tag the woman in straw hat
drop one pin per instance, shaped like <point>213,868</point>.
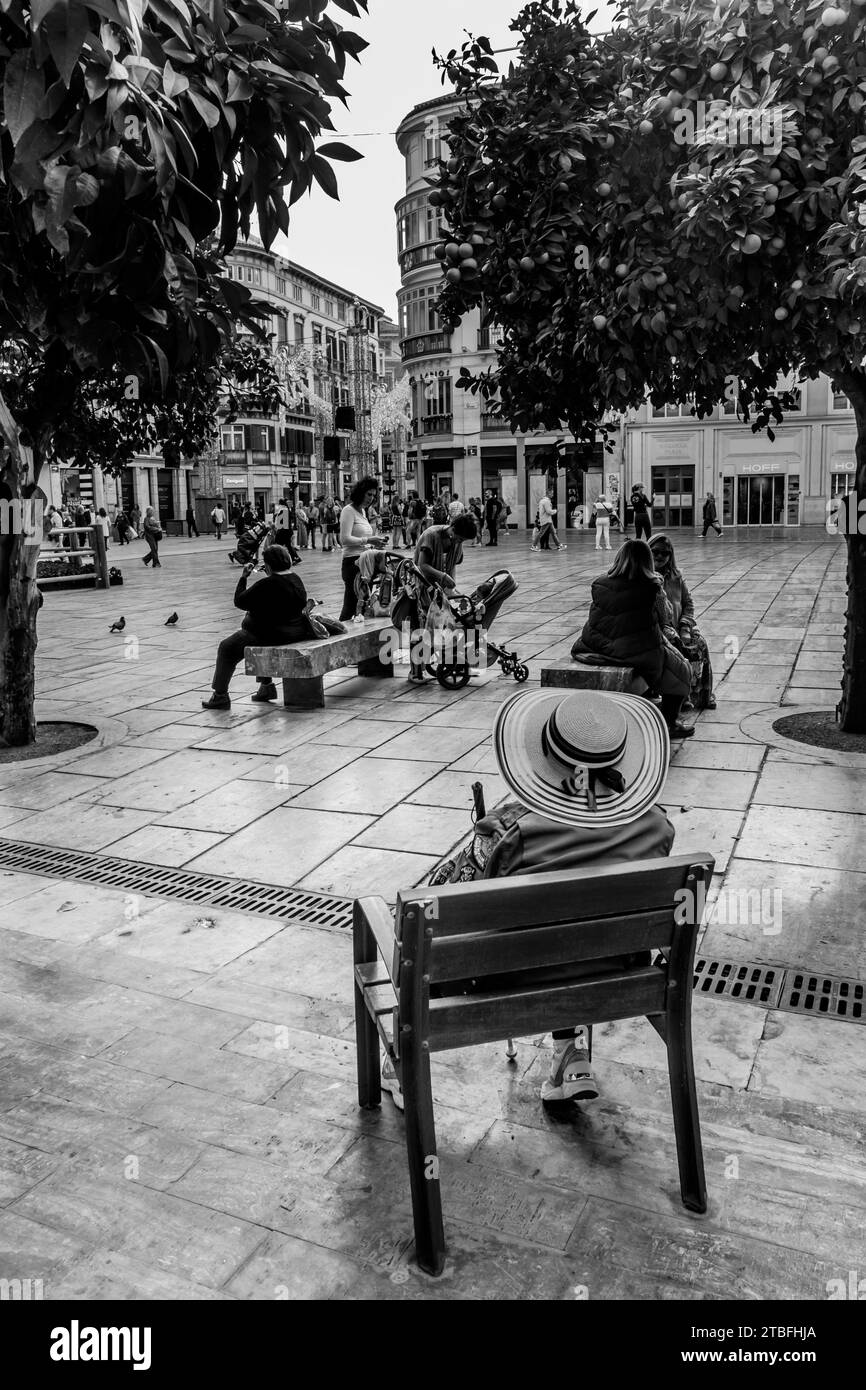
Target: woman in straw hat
<point>586,769</point>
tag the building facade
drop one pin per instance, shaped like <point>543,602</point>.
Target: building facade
<point>458,443</point>
<point>757,483</point>
<point>327,338</point>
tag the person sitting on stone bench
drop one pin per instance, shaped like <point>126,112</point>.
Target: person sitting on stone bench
<point>683,631</point>
<point>274,609</point>
<point>586,768</point>
<point>626,622</point>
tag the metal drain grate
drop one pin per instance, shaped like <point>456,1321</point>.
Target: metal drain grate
<point>829,995</point>
<point>731,979</point>
<point>268,900</point>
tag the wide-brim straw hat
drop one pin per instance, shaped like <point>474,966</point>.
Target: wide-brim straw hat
<point>556,750</point>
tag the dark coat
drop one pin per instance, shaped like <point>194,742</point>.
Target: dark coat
<point>680,600</point>
<point>625,625</point>
<point>709,510</point>
<point>274,608</point>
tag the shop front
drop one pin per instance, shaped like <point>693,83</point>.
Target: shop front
<point>236,492</point>
<point>761,494</point>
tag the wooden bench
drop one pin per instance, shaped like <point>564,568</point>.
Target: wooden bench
<point>584,928</point>
<point>580,675</point>
<point>302,666</point>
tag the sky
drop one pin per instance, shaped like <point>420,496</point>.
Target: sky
<point>354,242</point>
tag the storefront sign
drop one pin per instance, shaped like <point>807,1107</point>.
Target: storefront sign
<point>234,482</point>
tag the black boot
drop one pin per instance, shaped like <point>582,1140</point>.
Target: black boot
<point>217,702</point>
<point>671,706</point>
<point>266,691</point>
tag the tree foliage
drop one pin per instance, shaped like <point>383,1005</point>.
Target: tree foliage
<point>621,258</point>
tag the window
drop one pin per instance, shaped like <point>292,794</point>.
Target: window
<point>296,292</point>
<point>341,311</point>
<point>329,308</point>
<point>317,335</point>
<point>260,438</point>
<point>840,483</point>
<point>299,331</point>
<point>281,284</point>
<point>436,396</point>
<point>331,348</point>
<point>282,325</point>
<point>342,353</point>
<point>232,438</point>
<point>316,301</point>
<point>417,312</point>
<point>673,412</point>
<point>841,402</point>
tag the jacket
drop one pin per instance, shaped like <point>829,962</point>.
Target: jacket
<point>681,602</point>
<point>532,844</point>
<point>625,625</point>
<point>274,608</point>
<point>709,510</point>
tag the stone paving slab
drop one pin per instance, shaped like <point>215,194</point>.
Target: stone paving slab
<point>216,1048</point>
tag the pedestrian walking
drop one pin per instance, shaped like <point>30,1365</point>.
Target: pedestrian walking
<point>313,523</point>
<point>121,525</point>
<point>153,535</point>
<point>710,516</point>
<point>190,524</point>
<point>642,506</point>
<point>455,507</point>
<point>492,511</point>
<point>329,526</point>
<point>546,526</point>
<point>218,517</point>
<point>603,514</point>
<point>104,526</point>
<point>301,523</point>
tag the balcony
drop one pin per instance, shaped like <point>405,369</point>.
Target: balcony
<point>488,338</point>
<point>436,424</point>
<point>425,345</point>
<point>231,457</point>
<point>261,458</point>
<point>417,256</point>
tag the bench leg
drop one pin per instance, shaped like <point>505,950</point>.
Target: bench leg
<point>423,1161</point>
<point>366,1032</point>
<point>684,1100</point>
<point>375,669</point>
<point>308,693</point>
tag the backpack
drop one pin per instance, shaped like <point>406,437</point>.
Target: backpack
<point>494,845</point>
<point>440,514</point>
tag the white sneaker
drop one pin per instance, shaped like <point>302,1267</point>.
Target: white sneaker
<point>391,1083</point>
<point>563,547</point>
<point>533,547</point>
<point>570,1075</point>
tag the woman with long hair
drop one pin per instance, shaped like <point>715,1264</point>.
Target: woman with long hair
<point>356,536</point>
<point>682,630</point>
<point>627,618</point>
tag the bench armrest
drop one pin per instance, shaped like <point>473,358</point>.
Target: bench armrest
<point>374,918</point>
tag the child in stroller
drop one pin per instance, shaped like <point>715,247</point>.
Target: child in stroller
<point>247,549</point>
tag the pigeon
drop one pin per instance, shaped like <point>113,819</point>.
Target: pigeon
<point>118,626</point>
<point>170,622</point>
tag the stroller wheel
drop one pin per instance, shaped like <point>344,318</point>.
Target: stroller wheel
<point>452,677</point>
<point>507,665</point>
<point>521,674</point>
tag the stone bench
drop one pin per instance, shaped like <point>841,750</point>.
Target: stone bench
<point>581,675</point>
<point>302,666</point>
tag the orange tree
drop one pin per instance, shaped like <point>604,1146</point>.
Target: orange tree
<point>138,139</point>
<point>631,238</point>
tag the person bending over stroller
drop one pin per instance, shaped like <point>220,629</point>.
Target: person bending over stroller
<point>438,553</point>
<point>542,740</point>
<point>274,610</point>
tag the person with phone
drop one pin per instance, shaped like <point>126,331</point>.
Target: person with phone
<point>274,615</point>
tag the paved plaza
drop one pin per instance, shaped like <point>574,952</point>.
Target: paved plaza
<point>178,1116</point>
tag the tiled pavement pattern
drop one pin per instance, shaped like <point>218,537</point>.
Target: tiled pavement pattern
<point>177,1110</point>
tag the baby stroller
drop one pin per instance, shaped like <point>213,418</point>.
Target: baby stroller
<point>470,613</point>
<point>247,549</point>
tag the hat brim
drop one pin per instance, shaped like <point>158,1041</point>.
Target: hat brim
<point>536,778</point>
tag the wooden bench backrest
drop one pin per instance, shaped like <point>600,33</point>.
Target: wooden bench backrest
<point>496,926</point>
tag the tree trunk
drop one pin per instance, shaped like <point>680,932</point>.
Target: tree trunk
<point>20,599</point>
<point>852,706</point>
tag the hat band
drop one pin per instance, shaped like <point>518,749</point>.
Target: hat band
<point>569,753</point>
